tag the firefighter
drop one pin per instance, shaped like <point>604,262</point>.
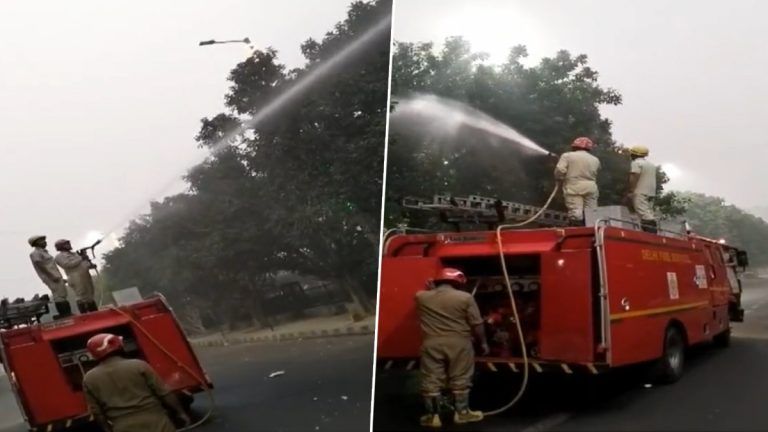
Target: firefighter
<point>449,319</point>
<point>125,395</point>
<point>78,275</point>
<point>577,171</point>
<point>50,275</point>
<point>642,188</point>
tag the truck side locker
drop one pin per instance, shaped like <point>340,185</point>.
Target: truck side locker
<point>567,331</point>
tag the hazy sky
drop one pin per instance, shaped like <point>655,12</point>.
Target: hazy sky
<point>100,102</point>
<point>692,73</point>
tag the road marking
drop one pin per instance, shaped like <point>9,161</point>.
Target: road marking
<point>548,423</point>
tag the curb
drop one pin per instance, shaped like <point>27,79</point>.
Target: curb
<point>352,330</point>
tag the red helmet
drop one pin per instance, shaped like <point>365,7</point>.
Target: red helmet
<point>104,344</point>
<point>451,275</point>
<point>582,143</point>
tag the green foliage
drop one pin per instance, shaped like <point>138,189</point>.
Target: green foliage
<point>301,192</point>
<point>714,218</point>
<point>552,103</point>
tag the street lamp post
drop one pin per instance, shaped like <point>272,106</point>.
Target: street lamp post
<point>215,42</point>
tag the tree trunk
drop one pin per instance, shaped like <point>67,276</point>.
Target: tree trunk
<point>358,296</point>
<point>192,320</point>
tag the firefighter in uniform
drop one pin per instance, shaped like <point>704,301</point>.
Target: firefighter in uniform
<point>577,171</point>
<point>449,319</point>
<point>78,275</point>
<point>46,269</point>
<point>125,395</point>
<point>642,188</point>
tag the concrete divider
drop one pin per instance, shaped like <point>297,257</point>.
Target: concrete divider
<point>346,330</point>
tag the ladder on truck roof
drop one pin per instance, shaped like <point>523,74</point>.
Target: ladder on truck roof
<point>476,209</point>
<point>21,312</point>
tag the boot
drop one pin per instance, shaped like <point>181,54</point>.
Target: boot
<point>649,226</point>
<point>63,309</point>
<point>575,222</point>
<point>82,307</point>
<point>91,306</point>
<point>463,414</point>
<point>431,418</point>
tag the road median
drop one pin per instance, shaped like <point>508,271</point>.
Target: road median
<point>294,332</point>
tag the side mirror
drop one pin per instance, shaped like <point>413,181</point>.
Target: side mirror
<point>742,259</point>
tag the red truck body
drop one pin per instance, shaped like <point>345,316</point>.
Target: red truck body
<point>588,298</point>
<point>45,363</point>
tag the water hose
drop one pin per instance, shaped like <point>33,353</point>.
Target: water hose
<point>186,369</point>
<point>518,326</point>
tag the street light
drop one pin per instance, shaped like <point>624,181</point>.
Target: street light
<point>215,42</point>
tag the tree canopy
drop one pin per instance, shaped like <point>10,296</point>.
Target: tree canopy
<point>551,103</point>
<point>714,218</point>
<point>299,191</point>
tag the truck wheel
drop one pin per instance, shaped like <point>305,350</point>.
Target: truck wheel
<point>722,340</point>
<point>669,368</point>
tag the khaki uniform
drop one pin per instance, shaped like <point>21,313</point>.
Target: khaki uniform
<point>44,265</point>
<point>577,170</point>
<point>447,356</point>
<point>645,189</point>
<point>78,275</point>
<point>127,394</point>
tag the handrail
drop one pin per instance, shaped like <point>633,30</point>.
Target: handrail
<point>605,336</point>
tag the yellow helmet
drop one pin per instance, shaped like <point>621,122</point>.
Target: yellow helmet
<point>639,151</point>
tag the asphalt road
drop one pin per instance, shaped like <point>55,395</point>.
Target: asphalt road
<point>326,386</point>
<point>722,390</point>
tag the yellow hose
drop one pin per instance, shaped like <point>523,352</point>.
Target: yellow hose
<point>186,368</point>
<point>519,327</point>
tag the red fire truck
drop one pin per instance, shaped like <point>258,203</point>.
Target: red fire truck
<point>588,299</point>
<point>45,362</point>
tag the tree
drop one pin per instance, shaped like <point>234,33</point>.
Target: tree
<point>552,103</point>
<point>298,191</point>
<point>713,217</point>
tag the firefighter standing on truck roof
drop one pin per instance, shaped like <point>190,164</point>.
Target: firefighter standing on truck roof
<point>78,275</point>
<point>577,171</point>
<point>46,269</point>
<point>642,188</point>
<point>449,318</point>
<point>125,395</point>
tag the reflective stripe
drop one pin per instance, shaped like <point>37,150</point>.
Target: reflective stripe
<point>657,311</point>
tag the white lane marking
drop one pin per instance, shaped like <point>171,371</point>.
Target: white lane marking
<point>548,423</point>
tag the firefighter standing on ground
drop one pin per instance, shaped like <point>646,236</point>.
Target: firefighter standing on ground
<point>449,318</point>
<point>46,269</point>
<point>125,395</point>
<point>78,275</point>
<point>642,188</point>
<point>577,171</point>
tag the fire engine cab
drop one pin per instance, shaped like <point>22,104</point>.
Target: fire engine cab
<point>45,361</point>
<point>588,298</point>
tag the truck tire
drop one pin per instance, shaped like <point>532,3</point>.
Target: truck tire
<point>669,368</point>
<point>722,340</point>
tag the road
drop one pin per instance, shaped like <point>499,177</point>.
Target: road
<point>326,386</point>
<point>723,389</point>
